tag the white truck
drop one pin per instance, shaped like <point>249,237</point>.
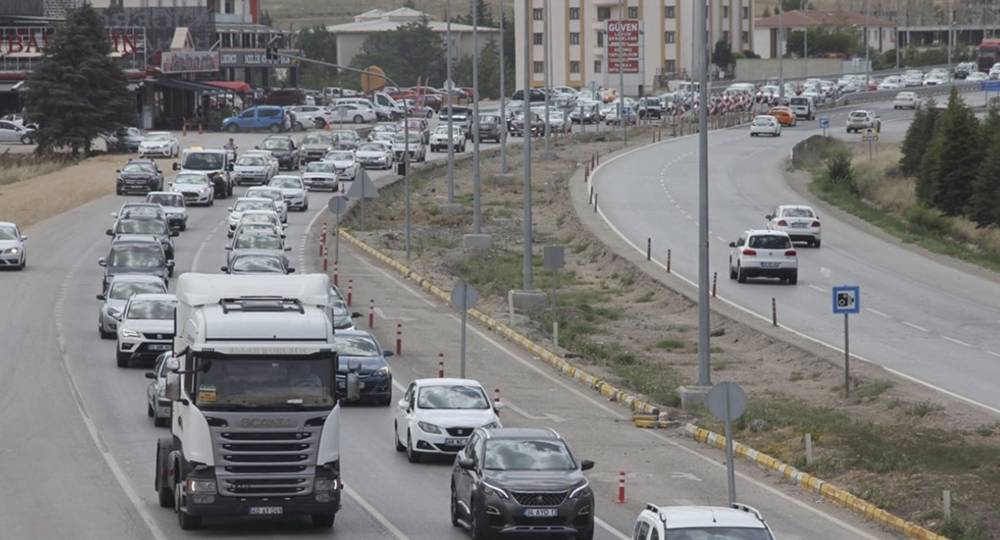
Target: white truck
<point>255,427</point>
<point>217,163</point>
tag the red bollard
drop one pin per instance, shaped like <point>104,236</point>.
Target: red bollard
<point>350,291</point>
<point>371,313</point>
<point>440,365</point>
<point>715,279</point>
<point>325,258</point>
<point>322,237</point>
<point>496,398</point>
<point>336,274</point>
<point>621,487</point>
<point>399,339</point>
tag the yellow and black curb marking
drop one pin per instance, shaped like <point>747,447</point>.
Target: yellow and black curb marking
<point>606,389</point>
<point>811,483</point>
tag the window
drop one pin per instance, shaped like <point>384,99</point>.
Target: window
<point>670,37</point>
<point>574,66</point>
<point>641,529</point>
<point>633,12</point>
<point>538,14</point>
<point>600,38</point>
<point>669,12</point>
<point>745,38</point>
<point>603,13</point>
<point>669,66</point>
<point>574,13</point>
<point>597,66</point>
<point>574,38</point>
<point>725,12</point>
<point>654,534</point>
<point>538,67</point>
<point>230,6</point>
<point>537,38</point>
<point>746,12</point>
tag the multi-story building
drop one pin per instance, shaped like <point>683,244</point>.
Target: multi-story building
<point>577,30</point>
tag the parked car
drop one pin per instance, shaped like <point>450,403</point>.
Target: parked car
<point>353,113</point>
<point>11,132</point>
<point>158,406</point>
<point>285,96</point>
<point>362,357</point>
<point>763,253</point>
<point>195,187</point>
<point>259,118</point>
<point>120,289</point>
<point>284,149</point>
<point>324,174</point>
<point>438,416</point>
<point>375,155</point>
<point>139,176</point>
<point>800,223</point>
<point>994,72</point>
<point>13,251</point>
<point>701,522</point>
<point>173,206</point>
<point>765,124</point>
<point>146,329</point>
<point>310,116</point>
<point>159,143</point>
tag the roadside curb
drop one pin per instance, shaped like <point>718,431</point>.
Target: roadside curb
<point>567,368</point>
<point>814,484</point>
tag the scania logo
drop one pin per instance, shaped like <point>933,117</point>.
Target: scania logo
<point>266,422</point>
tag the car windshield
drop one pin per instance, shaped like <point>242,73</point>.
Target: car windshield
<point>762,121</point>
<point>141,210</point>
<point>265,193</point>
<point>338,156</point>
<point>157,136</point>
<point>124,290</point>
<point>359,346</point>
<point>191,179</point>
<point>797,212</point>
<point>251,161</point>
<point>151,309</point>
<point>243,206</point>
<point>275,144</point>
<point>165,199</point>
<point>138,168</point>
<point>266,383</point>
<point>286,182</point>
<point>134,256</point>
<point>316,138</point>
<point>858,114</point>
<point>717,533</point>
<point>8,232</point>
<point>400,138</point>
<point>257,263</point>
<point>267,219</point>
<point>527,455</point>
<point>770,241</point>
<point>371,148</point>
<point>452,397</point>
<point>141,226</point>
<point>204,162</point>
<point>258,241</point>
<point>345,135</point>
<point>341,316</point>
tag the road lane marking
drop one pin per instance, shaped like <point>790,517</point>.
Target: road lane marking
<point>877,312</point>
<point>915,327</point>
<point>204,243</point>
<point>373,512</point>
<point>956,341</point>
<point>993,353</point>
<point>815,288</point>
<point>611,530</point>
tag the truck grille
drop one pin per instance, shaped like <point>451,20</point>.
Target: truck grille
<point>526,498</point>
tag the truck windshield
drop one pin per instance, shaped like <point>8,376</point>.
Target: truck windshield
<point>203,162</point>
<point>265,383</point>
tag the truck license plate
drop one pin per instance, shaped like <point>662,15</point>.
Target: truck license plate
<point>266,510</point>
<point>540,512</point>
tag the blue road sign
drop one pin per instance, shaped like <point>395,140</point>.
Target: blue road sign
<point>846,299</point>
<point>824,122</point>
<point>989,86</point>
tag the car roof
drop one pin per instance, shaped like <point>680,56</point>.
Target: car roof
<point>523,433</point>
<point>805,206</point>
<point>683,517</point>
<point>451,381</point>
<point>134,239</point>
<point>153,296</point>
<point>171,193</point>
<point>253,199</point>
<point>6,223</point>
<point>759,232</point>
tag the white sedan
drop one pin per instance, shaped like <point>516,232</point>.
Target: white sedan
<point>375,155</point>
<point>437,416</point>
<point>159,143</point>
<point>765,124</point>
<point>800,223</point>
<point>352,112</point>
<point>906,100</point>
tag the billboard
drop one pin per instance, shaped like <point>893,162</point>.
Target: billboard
<point>189,61</point>
<point>23,46</point>
<point>623,45</point>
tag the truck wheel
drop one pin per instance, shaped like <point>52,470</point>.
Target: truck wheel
<point>163,491</point>
<point>323,521</point>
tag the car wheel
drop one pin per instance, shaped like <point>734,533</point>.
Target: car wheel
<point>587,534</point>
<point>26,139</point>
<point>122,359</point>
<point>411,455</point>
<point>741,275</point>
<point>149,411</point>
<point>794,278</point>
<point>479,532</point>
<point>186,521</point>
<point>358,119</point>
<point>299,127</point>
<point>320,123</point>
<point>816,243</point>
<point>275,128</point>
<point>454,509</point>
<point>732,271</point>
<point>395,436</point>
<point>161,422</point>
<point>323,521</point>
<point>184,226</point>
<point>118,191</point>
<point>232,128</point>
<point>104,334</point>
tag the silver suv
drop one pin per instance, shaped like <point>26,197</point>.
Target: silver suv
<point>860,120</point>
<point>122,288</point>
<point>146,329</point>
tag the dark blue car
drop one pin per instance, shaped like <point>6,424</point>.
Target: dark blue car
<point>363,374</point>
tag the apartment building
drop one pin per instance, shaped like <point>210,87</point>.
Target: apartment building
<point>579,47</point>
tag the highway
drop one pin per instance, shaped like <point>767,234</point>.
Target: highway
<point>926,320</point>
<point>78,450</point>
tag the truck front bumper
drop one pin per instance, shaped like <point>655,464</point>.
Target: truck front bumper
<point>271,507</point>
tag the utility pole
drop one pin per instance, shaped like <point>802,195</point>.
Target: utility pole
<point>805,44</point>
<point>621,76</point>
<point>868,63</point>
<point>546,48</point>
<point>896,35</point>
<point>528,278</point>
<point>781,53</point>
<point>701,57</point>
<point>477,213</point>
<point>450,89</point>
<point>503,98</point>
<point>951,25</point>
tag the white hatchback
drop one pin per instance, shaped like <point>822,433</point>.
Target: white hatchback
<point>800,223</point>
<point>763,253</point>
<point>437,416</point>
<point>765,124</point>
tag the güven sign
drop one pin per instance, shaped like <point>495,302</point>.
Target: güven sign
<point>623,31</point>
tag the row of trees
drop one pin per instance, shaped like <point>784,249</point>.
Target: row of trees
<point>956,160</point>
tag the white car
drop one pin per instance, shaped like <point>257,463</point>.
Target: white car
<point>978,76</point>
<point>418,152</point>
<point>345,163</point>
<point>701,523</point>
<point>936,78</point>
<point>266,218</point>
<point>763,253</point>
<point>310,116</point>
<point>159,143</point>
<point>892,82</point>
<point>196,188</point>
<point>273,194</point>
<point>765,124</point>
<point>158,407</point>
<point>375,155</point>
<point>439,139</point>
<point>245,204</point>
<point>800,223</point>
<point>861,120</point>
<point>272,161</point>
<point>13,252</point>
<point>293,190</point>
<point>146,327</point>
<point>558,122</point>
<point>994,73</point>
<point>906,100</point>
<point>352,112</point>
<point>173,206</point>
<point>323,174</point>
<point>437,416</point>
<point>913,77</point>
<point>252,169</point>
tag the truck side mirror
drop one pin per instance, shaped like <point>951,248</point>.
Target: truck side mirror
<point>175,166</point>
<point>172,389</point>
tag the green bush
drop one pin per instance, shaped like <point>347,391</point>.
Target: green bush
<point>922,219</point>
<point>840,172</point>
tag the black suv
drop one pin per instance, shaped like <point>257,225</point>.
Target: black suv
<point>139,176</point>
<point>284,149</point>
<point>517,480</point>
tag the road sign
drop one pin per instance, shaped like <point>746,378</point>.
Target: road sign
<point>553,257</point>
<point>337,205</point>
<point>623,30</point>
<point>989,86</point>
<point>869,135</point>
<point>846,299</point>
<point>463,297</point>
<point>626,52</point>
<point>631,66</point>
<point>623,45</point>
<point>824,122</point>
<point>363,187</point>
<point>727,401</point>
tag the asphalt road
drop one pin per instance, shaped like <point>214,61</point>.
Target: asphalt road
<point>77,452</point>
<point>926,320</point>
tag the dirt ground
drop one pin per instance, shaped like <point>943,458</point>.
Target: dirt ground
<point>892,443</point>
<point>32,200</point>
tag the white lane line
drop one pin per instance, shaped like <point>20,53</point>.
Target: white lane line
<point>992,353</point>
<point>956,341</point>
<point>613,531</point>
<point>915,327</point>
<point>815,288</point>
<point>877,312</point>
<point>373,512</point>
<point>204,244</point>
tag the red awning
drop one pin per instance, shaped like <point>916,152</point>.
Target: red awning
<point>236,86</point>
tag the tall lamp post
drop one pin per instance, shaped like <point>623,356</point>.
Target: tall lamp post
<point>526,269</point>
<point>503,98</point>
<point>701,59</point>
<point>451,92</point>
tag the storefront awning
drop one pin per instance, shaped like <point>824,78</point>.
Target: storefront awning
<point>181,84</point>
<point>233,86</point>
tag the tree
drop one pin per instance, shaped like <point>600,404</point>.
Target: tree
<point>722,54</point>
<point>77,92</point>
<point>484,15</point>
<point>918,135</point>
<point>984,205</point>
<point>411,51</point>
<point>318,43</point>
<point>947,184</point>
<point>489,71</point>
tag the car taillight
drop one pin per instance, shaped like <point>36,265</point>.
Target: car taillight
<point>782,223</point>
<point>750,252</point>
<point>790,253</point>
<point>815,224</point>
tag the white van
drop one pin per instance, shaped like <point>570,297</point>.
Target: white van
<point>803,107</point>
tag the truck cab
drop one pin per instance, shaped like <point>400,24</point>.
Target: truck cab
<point>255,425</point>
<point>216,163</point>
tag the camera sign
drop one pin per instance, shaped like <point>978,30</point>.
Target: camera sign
<point>846,299</point>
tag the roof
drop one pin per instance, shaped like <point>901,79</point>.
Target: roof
<point>798,18</point>
<point>446,382</point>
<point>134,239</point>
<point>147,278</point>
<point>377,20</point>
<point>154,296</point>
<point>681,517</point>
<point>199,289</point>
<point>523,433</point>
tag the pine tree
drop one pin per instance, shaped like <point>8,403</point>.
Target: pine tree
<point>984,205</point>
<point>918,136</point>
<point>406,53</point>
<point>958,158</point>
<point>77,92</point>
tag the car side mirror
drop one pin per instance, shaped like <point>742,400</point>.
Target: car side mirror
<point>175,233</point>
<point>387,354</point>
<point>109,232</point>
<point>151,375</point>
<point>288,249</point>
<point>172,390</point>
<point>116,316</point>
<point>230,209</point>
<point>229,167</point>
<point>586,465</point>
<point>256,147</point>
<point>229,248</point>
<point>769,217</point>
<point>25,237</point>
<point>118,170</point>
<point>102,262</point>
<point>175,166</point>
<point>101,296</point>
<point>114,215</point>
<point>403,404</point>
<point>170,263</point>
<point>467,464</point>
<point>224,269</point>
<point>732,244</point>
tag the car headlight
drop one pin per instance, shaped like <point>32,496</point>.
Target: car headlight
<point>492,425</point>
<point>429,428</point>
<point>114,313</point>
<point>199,486</point>
<point>581,490</point>
<point>382,371</point>
<point>129,333</point>
<point>203,189</point>
<point>490,489</point>
<point>13,251</point>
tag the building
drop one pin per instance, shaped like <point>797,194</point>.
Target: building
<point>579,48</point>
<point>767,30</point>
<point>351,36</point>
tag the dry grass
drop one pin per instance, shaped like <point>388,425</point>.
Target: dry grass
<point>44,190</point>
<point>19,167</point>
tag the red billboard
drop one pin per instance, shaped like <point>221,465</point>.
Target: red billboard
<point>623,31</point>
<point>625,52</point>
<point>631,66</point>
<point>623,45</point>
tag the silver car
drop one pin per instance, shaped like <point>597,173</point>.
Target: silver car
<point>13,252</point>
<point>324,174</point>
<point>173,206</point>
<point>158,407</point>
<point>146,329</point>
<point>293,190</point>
<point>121,289</point>
<point>275,195</point>
<point>196,188</point>
<point>252,169</point>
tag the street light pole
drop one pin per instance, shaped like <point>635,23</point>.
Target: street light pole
<point>621,76</point>
<point>868,63</point>
<point>701,57</point>
<point>477,214</point>
<point>503,98</point>
<point>526,269</point>
<point>450,89</point>
<point>781,55</point>
<point>547,154</point>
<point>805,44</point>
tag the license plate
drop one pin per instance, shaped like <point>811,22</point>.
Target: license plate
<point>769,265</point>
<point>266,510</point>
<point>163,347</point>
<point>455,442</point>
<point>799,225</point>
<point>541,512</point>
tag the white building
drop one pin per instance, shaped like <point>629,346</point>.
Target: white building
<point>578,46</point>
<point>351,36</point>
<point>881,33</point>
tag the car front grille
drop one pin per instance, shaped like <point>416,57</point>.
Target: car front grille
<point>460,431</point>
<point>159,336</point>
<point>526,498</point>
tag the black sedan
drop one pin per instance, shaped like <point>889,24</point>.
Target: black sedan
<point>139,176</point>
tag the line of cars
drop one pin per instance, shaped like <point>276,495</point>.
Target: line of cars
<point>770,252</point>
